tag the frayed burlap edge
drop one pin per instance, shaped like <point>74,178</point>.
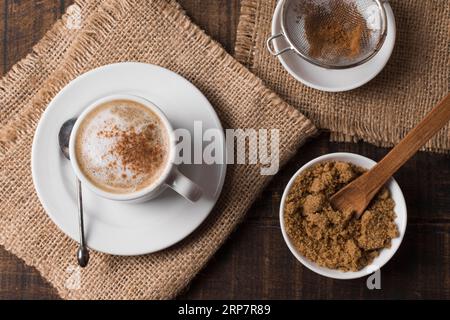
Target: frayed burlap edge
<point>25,122</point>
<point>246,33</point>
<point>244,53</point>
<point>102,20</point>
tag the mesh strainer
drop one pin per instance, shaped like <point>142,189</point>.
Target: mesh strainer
<point>334,34</point>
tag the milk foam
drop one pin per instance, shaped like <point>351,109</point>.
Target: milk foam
<point>100,134</point>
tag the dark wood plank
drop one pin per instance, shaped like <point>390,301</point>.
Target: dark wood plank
<point>3,25</point>
<point>255,262</point>
<point>24,23</point>
<point>18,281</point>
<point>219,18</point>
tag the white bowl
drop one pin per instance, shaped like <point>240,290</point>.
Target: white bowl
<point>385,254</point>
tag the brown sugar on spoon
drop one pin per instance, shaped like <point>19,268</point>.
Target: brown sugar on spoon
<point>357,195</point>
<point>332,238</point>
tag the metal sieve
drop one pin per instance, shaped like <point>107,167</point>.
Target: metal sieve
<point>306,27</point>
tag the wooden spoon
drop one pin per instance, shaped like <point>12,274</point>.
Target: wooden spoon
<point>357,195</point>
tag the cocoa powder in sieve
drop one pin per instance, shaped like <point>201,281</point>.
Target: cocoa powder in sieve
<point>335,31</point>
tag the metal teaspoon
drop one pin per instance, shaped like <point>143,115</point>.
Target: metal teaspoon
<point>64,138</point>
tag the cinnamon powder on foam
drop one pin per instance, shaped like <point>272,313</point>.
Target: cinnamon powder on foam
<point>137,151</point>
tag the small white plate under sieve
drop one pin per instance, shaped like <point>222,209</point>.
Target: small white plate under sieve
<point>329,79</point>
<point>294,23</point>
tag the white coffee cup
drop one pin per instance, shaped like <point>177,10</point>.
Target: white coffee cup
<point>170,176</point>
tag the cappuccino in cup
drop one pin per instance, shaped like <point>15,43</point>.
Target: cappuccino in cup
<point>122,146</point>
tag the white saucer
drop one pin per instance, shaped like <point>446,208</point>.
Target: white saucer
<point>113,227</point>
<point>334,80</point>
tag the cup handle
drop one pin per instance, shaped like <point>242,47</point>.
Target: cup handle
<point>184,186</point>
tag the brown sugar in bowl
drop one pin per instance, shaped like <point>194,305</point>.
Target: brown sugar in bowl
<point>385,254</point>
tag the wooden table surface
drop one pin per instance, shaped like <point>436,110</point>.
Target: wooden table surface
<point>255,263</point>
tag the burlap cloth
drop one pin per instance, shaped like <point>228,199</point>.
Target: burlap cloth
<point>382,111</point>
<point>156,32</point>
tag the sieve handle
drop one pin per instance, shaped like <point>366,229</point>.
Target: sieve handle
<point>272,49</point>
